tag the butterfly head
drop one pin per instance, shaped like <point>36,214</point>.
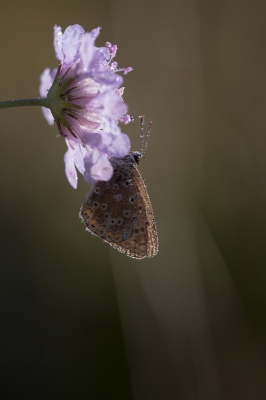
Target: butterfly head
<point>136,157</point>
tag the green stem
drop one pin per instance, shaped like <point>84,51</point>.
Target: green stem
<point>25,102</point>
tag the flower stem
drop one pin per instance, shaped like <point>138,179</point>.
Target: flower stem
<point>42,102</point>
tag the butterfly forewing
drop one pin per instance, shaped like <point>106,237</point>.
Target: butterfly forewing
<point>119,211</point>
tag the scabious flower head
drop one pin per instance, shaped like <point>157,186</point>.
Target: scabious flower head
<point>85,101</point>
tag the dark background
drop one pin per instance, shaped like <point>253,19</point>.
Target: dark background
<point>78,319</point>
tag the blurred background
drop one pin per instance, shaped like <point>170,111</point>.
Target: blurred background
<point>82,321</point>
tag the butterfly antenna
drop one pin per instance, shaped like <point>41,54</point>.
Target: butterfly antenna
<point>143,142</point>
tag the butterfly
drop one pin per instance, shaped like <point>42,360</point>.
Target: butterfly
<point>119,211</point>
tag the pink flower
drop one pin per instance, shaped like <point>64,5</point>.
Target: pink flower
<point>85,101</point>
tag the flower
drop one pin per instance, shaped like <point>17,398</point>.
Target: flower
<point>85,100</point>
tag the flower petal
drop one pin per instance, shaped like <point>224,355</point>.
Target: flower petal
<point>70,169</point>
<point>78,153</point>
<point>95,32</point>
<point>48,115</point>
<point>86,52</point>
<point>109,105</point>
<point>97,167</point>
<point>67,44</point>
<point>114,145</point>
<point>57,42</point>
<point>46,82</point>
<point>113,105</point>
<point>120,146</point>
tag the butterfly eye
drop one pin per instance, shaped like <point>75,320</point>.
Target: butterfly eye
<point>127,233</point>
<point>104,206</point>
<point>87,214</point>
<point>119,221</point>
<point>96,204</point>
<point>93,224</point>
<point>108,236</point>
<point>132,199</point>
<point>126,183</point>
<point>97,190</point>
<point>117,237</point>
<point>101,230</point>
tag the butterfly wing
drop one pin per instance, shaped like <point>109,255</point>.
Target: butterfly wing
<point>120,212</point>
<point>147,221</point>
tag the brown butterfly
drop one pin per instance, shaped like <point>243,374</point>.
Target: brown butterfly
<point>119,211</point>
